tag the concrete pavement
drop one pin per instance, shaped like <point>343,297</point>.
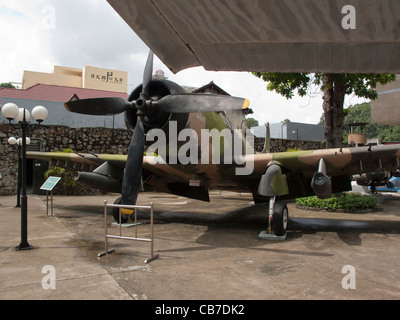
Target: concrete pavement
<point>22,273</point>
<point>207,251</point>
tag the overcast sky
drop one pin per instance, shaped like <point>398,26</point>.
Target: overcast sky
<point>35,35</point>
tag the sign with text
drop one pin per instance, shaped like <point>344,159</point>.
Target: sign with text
<point>50,183</point>
<point>105,79</point>
<point>34,145</point>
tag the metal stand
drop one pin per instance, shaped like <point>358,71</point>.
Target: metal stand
<point>151,240</point>
<point>47,199</point>
<point>270,236</point>
<point>48,185</point>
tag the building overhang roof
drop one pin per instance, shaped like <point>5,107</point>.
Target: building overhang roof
<point>331,36</point>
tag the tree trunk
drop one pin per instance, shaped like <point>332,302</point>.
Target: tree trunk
<point>334,93</point>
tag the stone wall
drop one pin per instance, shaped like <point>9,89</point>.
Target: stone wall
<point>282,145</point>
<point>91,140</point>
<point>58,138</point>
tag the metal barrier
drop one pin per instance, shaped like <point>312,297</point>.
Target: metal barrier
<point>151,240</point>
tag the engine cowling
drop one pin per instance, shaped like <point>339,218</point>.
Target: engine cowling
<point>156,119</point>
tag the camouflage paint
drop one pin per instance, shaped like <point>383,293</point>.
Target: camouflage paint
<point>296,168</point>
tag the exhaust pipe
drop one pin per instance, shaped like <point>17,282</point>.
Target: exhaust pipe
<point>321,183</point>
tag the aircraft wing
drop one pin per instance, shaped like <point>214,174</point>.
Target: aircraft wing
<point>282,174</point>
<point>105,171</point>
<point>338,161</point>
<point>321,172</point>
<point>77,161</point>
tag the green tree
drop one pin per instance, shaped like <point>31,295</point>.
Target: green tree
<point>362,113</point>
<point>251,122</point>
<point>6,85</point>
<point>334,87</point>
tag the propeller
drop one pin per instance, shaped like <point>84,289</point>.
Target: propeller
<point>98,106</point>
<point>173,103</point>
<point>134,162</point>
<point>144,105</point>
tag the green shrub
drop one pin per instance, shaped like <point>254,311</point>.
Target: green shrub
<point>346,201</point>
<point>292,150</point>
<point>67,176</point>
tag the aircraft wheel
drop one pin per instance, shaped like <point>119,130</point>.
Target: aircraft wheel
<point>280,219</point>
<point>125,213</point>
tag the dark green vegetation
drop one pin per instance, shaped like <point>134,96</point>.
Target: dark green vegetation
<point>6,85</point>
<point>362,113</point>
<point>67,175</point>
<point>346,201</point>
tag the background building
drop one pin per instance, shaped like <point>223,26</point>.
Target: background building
<point>87,78</point>
<point>51,90</point>
<point>386,109</point>
<point>292,131</point>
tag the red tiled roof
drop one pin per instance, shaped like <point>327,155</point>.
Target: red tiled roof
<point>56,93</point>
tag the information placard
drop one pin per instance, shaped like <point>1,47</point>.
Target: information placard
<point>50,183</point>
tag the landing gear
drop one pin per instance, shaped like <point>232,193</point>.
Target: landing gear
<point>278,216</point>
<point>125,213</point>
<point>280,219</point>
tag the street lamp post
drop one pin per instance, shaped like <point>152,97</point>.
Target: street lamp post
<point>18,142</point>
<point>39,113</point>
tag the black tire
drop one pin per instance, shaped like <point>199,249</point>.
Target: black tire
<point>280,219</point>
<point>115,213</point>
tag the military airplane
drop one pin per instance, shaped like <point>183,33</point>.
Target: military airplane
<point>272,178</point>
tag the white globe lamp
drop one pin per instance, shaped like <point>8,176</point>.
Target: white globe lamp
<point>20,116</point>
<point>10,111</point>
<point>12,141</point>
<point>39,113</point>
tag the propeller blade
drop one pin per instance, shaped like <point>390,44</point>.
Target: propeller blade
<point>199,102</point>
<point>98,106</point>
<point>134,163</point>
<point>148,73</point>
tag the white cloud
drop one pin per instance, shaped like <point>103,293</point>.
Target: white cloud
<point>24,43</point>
